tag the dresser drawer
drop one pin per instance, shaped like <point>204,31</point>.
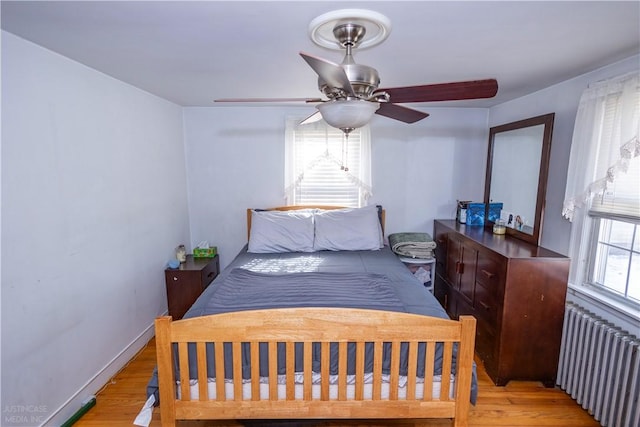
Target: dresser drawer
<point>486,304</point>
<point>490,273</point>
<point>485,343</point>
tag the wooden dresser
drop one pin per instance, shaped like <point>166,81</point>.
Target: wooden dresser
<point>516,291</point>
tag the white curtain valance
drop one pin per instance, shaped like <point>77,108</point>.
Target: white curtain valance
<point>605,139</point>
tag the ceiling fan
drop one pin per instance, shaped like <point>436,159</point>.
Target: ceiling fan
<point>352,90</point>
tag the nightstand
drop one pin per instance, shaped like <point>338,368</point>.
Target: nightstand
<point>428,264</point>
<point>187,282</point>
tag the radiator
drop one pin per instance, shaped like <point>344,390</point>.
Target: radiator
<point>599,367</point>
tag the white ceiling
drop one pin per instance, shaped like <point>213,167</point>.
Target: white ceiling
<point>194,52</point>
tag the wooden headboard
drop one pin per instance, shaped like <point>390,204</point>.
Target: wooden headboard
<point>381,213</point>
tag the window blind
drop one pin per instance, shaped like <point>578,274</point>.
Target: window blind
<point>327,166</point>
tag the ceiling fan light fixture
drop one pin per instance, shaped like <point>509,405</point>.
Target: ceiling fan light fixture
<point>347,114</point>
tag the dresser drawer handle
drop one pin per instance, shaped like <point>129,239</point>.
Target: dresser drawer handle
<point>210,274</point>
<point>175,279</point>
<point>485,305</point>
<point>459,267</point>
<point>488,274</point>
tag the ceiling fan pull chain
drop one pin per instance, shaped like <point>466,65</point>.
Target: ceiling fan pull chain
<point>345,152</point>
<point>342,154</point>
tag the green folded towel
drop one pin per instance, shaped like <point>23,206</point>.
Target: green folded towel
<point>413,245</point>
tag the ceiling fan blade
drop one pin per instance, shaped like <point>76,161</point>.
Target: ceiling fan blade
<point>315,117</point>
<point>473,89</point>
<point>333,74</point>
<point>398,112</point>
<point>308,100</point>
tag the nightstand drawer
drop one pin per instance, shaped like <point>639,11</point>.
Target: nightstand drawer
<point>210,272</point>
<point>181,278</point>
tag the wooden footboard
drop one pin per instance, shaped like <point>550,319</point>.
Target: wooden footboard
<point>380,395</point>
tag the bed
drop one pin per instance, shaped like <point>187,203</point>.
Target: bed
<point>315,319</point>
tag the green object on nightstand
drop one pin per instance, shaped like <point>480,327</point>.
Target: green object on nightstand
<point>209,252</point>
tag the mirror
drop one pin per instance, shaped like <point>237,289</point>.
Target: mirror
<point>517,169</point>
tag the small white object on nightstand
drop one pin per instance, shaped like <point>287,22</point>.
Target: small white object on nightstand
<point>419,262</point>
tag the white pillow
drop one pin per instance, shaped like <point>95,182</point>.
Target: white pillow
<point>355,229</point>
<point>281,231</point>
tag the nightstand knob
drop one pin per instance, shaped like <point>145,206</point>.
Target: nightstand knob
<point>175,279</point>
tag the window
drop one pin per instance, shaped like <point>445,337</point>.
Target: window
<point>602,198</point>
<point>323,167</point>
<point>615,262</point>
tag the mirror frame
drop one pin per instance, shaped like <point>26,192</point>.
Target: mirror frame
<point>547,121</point>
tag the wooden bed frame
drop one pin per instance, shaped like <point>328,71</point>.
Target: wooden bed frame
<point>311,326</point>
<point>314,325</point>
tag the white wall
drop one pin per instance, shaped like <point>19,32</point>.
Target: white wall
<point>235,161</point>
<point>561,99</point>
<point>420,170</point>
<point>93,205</point>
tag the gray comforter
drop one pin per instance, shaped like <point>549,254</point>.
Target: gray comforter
<point>248,290</point>
<point>358,279</point>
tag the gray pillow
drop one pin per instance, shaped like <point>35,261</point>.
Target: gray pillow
<point>281,231</point>
<point>356,229</point>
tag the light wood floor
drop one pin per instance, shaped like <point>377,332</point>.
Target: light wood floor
<point>522,404</point>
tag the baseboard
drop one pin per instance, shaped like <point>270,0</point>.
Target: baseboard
<point>101,378</point>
